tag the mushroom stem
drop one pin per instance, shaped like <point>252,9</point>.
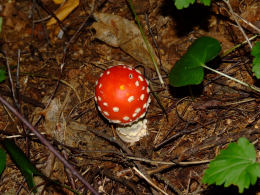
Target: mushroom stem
<point>134,132</point>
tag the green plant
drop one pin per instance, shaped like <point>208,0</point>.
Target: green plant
<point>180,4</point>
<point>2,75</point>
<point>26,167</point>
<point>235,165</point>
<point>189,70</point>
<point>256,62</point>
<point>2,160</point>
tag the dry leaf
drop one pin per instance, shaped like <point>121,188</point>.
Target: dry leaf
<point>63,11</point>
<point>58,1</point>
<point>120,32</point>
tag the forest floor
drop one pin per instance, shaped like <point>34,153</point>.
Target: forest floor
<point>60,62</point>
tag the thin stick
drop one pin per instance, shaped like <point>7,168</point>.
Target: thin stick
<point>233,79</point>
<point>168,163</point>
<point>238,24</point>
<point>17,86</point>
<point>237,46</point>
<point>149,181</point>
<point>146,41</point>
<point>49,146</point>
<point>247,22</point>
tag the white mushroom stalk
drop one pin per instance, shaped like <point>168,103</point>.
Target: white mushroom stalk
<point>122,97</point>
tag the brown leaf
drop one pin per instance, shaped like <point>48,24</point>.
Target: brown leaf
<point>120,32</point>
<point>63,11</point>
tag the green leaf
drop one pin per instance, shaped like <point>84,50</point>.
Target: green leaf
<point>2,160</point>
<point>189,69</point>
<point>2,75</point>
<point>180,4</point>
<point>256,62</point>
<point>206,2</point>
<point>1,23</point>
<point>23,163</point>
<point>235,165</point>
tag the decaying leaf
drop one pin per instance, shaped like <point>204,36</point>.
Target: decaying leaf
<point>58,1</point>
<point>120,32</point>
<point>63,11</point>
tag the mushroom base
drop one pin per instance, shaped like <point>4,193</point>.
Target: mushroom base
<point>134,132</point>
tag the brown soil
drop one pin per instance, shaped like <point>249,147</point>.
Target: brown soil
<point>56,94</point>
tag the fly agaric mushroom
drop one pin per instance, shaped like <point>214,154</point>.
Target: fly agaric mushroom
<point>122,97</point>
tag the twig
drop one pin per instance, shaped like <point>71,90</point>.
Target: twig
<point>146,42</point>
<point>233,79</point>
<point>149,181</point>
<point>17,86</point>
<point>247,22</point>
<point>237,46</point>
<point>238,24</point>
<point>11,80</point>
<point>76,34</point>
<point>26,99</point>
<point>49,146</point>
<point>39,2</point>
<point>169,163</point>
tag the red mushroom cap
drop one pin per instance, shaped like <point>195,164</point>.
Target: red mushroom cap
<point>122,94</point>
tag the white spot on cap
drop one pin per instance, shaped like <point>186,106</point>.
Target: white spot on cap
<point>131,98</point>
<point>131,76</point>
<point>142,115</point>
<point>108,72</point>
<point>142,97</point>
<point>96,82</point>
<point>136,83</point>
<point>144,106</point>
<point>137,110</point>
<point>138,72</point>
<point>134,115</point>
<point>147,81</point>
<point>148,90</point>
<point>99,98</point>
<point>106,113</point>
<point>140,78</point>
<point>101,75</point>
<point>124,67</point>
<point>143,88</point>
<point>149,100</point>
<point>100,85</point>
<point>105,104</point>
<point>115,121</point>
<point>95,98</point>
<point>99,108</point>
<point>115,109</point>
<point>130,68</point>
<point>126,118</point>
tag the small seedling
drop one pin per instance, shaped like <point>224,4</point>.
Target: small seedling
<point>235,165</point>
<point>189,70</point>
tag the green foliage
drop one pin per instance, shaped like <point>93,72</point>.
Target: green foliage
<point>180,4</point>
<point>23,163</point>
<point>235,165</point>
<point>2,75</point>
<point>189,69</point>
<point>205,2</point>
<point>2,160</point>
<point>256,62</point>
<point>1,24</point>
